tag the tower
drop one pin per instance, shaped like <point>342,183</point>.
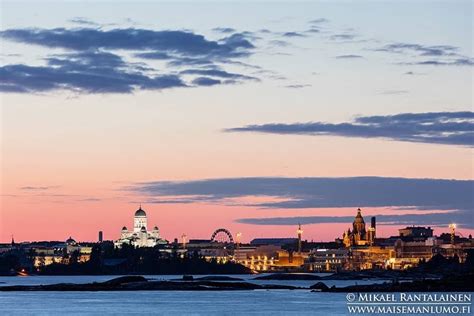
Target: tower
<point>139,220</point>
<point>101,236</point>
<point>183,240</point>
<point>299,231</point>
<point>347,238</point>
<point>453,232</point>
<point>371,233</point>
<point>238,237</point>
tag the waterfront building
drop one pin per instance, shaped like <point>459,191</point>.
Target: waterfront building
<point>274,241</point>
<point>327,260</point>
<point>416,231</point>
<point>60,253</point>
<point>267,254</point>
<point>243,253</point>
<point>140,236</point>
<point>369,257</point>
<point>409,252</point>
<point>259,258</point>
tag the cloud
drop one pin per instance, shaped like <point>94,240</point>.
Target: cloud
<point>440,55</point>
<point>38,188</point>
<point>449,128</point>
<point>205,81</point>
<point>452,200</point>
<point>349,57</point>
<point>316,25</point>
<point>293,34</point>
<point>188,61</point>
<point>84,72</point>
<point>294,193</point>
<point>422,50</point>
<point>297,86</point>
<point>319,21</point>
<point>279,43</point>
<point>224,30</point>
<point>313,30</point>
<point>176,42</point>
<point>83,21</point>
<point>412,73</point>
<point>455,62</point>
<point>92,64</point>
<point>343,37</point>
<point>461,218</point>
<point>217,73</point>
<point>154,55</point>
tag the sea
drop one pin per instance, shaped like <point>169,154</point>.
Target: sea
<point>258,302</point>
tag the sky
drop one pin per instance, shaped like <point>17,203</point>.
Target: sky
<point>249,116</point>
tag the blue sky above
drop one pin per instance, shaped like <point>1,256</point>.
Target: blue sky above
<point>174,94</point>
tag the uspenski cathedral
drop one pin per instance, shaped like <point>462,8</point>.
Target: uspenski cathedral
<point>359,236</point>
<point>140,236</point>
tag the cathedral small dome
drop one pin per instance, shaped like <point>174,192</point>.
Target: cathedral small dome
<point>70,241</point>
<point>140,213</point>
<point>155,228</point>
<point>124,228</point>
<point>143,229</point>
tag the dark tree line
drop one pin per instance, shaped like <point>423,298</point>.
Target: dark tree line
<point>105,259</point>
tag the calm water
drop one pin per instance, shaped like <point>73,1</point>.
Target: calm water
<point>271,302</point>
<point>281,302</point>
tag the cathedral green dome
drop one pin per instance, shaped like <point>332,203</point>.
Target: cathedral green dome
<point>140,213</point>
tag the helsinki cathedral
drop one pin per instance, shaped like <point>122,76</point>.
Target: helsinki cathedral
<point>140,236</point>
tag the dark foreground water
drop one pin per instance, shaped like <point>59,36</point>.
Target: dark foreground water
<point>259,302</point>
<point>274,302</point>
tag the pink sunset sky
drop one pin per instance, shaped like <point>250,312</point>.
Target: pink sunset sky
<point>240,124</point>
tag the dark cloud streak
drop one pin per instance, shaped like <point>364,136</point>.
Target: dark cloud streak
<point>449,128</point>
<point>325,192</point>
<point>454,197</point>
<point>461,218</point>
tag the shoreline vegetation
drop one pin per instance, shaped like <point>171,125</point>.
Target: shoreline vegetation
<point>107,260</point>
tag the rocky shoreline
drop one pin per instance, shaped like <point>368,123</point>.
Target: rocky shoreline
<point>352,275</point>
<point>139,283</point>
<point>455,283</point>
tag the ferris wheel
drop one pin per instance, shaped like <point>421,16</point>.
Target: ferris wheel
<point>223,236</point>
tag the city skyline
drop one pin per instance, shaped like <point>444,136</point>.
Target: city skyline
<point>300,113</point>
